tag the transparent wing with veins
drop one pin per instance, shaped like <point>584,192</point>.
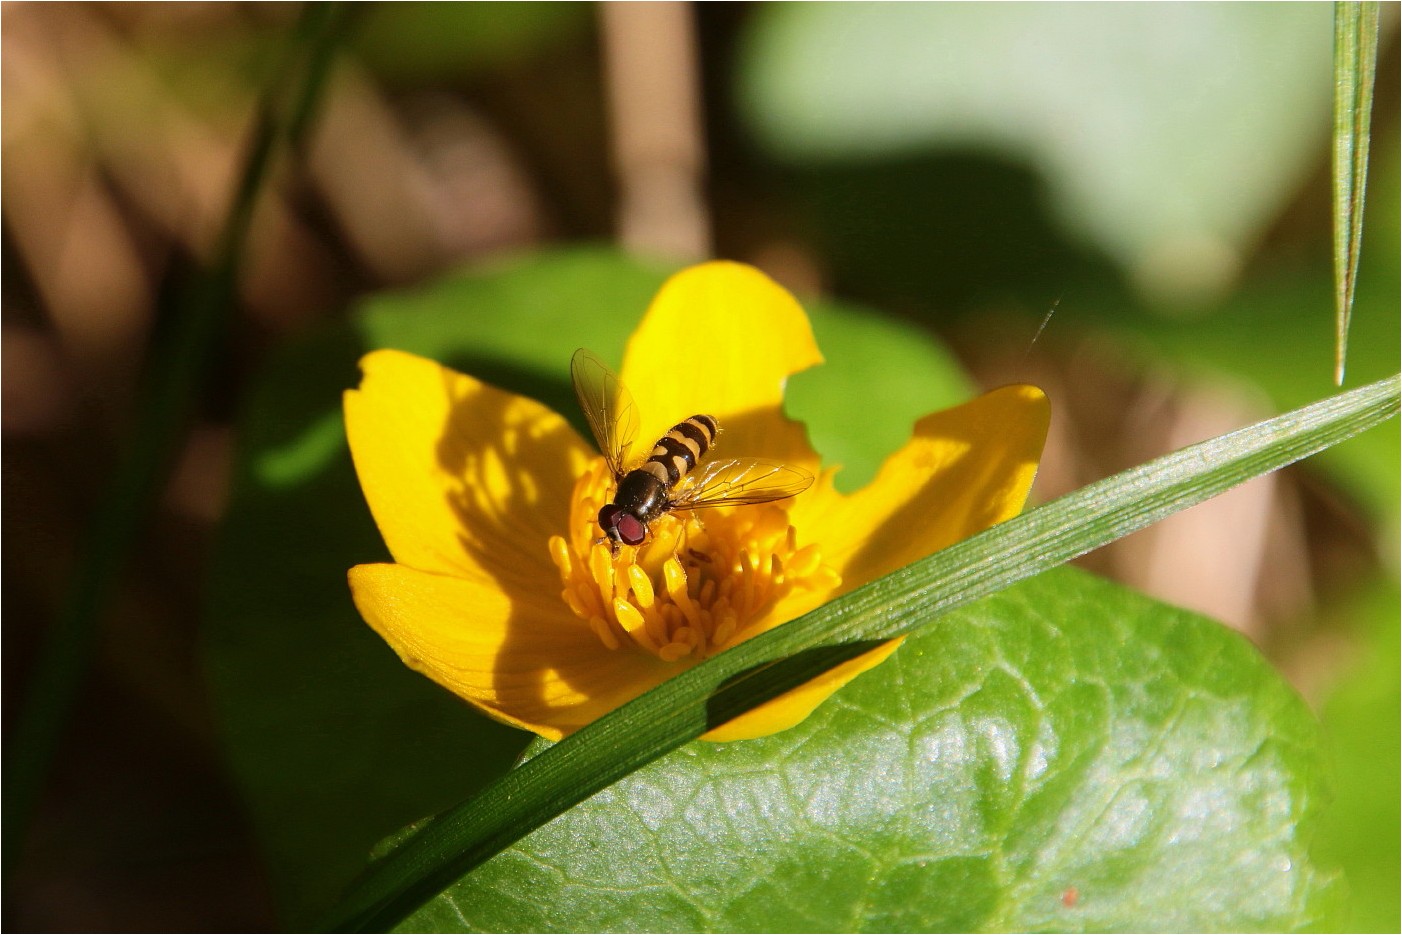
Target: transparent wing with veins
<point>608,407</point>
<point>739,481</point>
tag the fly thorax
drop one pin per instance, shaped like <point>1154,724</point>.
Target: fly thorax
<point>642,492</point>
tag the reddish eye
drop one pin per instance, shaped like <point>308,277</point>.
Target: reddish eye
<point>622,525</point>
<point>631,529</point>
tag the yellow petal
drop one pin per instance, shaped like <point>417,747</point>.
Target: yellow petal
<point>721,338</point>
<point>792,707</point>
<point>461,477</point>
<point>525,660</point>
<point>963,470</point>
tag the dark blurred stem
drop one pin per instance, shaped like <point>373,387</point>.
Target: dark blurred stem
<point>170,387</point>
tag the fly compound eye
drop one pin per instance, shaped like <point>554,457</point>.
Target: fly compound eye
<point>630,529</point>
<point>608,520</point>
<point>622,526</point>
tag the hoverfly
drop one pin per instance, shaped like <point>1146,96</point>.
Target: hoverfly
<point>663,483</point>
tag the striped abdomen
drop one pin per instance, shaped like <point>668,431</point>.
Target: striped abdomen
<point>643,493</point>
<point>677,452</point>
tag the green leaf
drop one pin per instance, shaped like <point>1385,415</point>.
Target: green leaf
<point>880,377</point>
<point>1359,831</point>
<point>332,741</point>
<point>1068,755</point>
<point>766,666</point>
<point>1355,67</point>
<point>1169,135</point>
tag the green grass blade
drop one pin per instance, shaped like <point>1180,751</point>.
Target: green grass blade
<point>1355,66</point>
<point>457,840</point>
<point>169,387</point>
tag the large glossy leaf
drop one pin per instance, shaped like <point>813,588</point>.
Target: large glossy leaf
<point>333,742</point>
<point>1067,755</point>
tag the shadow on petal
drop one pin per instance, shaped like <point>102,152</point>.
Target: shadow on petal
<point>801,682</point>
<point>962,471</point>
<point>513,466</point>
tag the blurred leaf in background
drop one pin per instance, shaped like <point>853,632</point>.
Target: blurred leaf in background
<point>1168,135</point>
<point>1362,734</point>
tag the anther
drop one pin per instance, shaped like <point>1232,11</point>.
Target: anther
<point>560,555</point>
<point>674,651</point>
<point>604,632</point>
<point>641,585</point>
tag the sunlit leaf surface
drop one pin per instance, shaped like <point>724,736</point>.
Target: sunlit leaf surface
<point>1065,756</point>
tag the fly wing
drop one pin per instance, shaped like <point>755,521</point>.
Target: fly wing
<point>742,480</point>
<point>608,407</point>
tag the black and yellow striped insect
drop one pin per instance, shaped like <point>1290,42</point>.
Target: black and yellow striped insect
<point>664,482</point>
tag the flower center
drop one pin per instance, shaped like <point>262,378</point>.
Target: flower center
<point>692,588</point>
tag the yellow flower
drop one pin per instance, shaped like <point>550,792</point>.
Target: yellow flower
<point>500,590</point>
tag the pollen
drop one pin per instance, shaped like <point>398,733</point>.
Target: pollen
<point>701,582</point>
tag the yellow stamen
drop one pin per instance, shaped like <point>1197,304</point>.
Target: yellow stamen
<point>805,561</point>
<point>628,617</point>
<point>699,584</point>
<point>673,651</point>
<point>602,631</point>
<point>640,583</point>
<point>560,555</point>
<point>601,564</point>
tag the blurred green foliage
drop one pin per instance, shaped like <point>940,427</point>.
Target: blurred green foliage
<point>1168,135</point>
<point>1361,725</point>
